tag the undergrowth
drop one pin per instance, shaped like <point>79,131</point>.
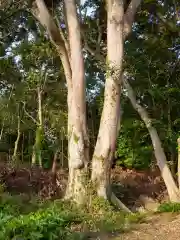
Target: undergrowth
<point>21,218</point>
<point>169,207</point>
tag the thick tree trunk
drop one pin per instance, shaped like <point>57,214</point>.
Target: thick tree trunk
<point>78,145</point>
<point>158,150</point>
<point>77,158</point>
<point>106,141</point>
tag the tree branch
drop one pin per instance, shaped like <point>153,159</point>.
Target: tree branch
<point>129,16</point>
<point>42,14</point>
<point>64,38</point>
<point>33,119</point>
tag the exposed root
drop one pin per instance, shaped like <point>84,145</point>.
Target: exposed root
<point>118,203</point>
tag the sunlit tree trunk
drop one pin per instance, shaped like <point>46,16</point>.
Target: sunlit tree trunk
<point>119,26</point>
<point>78,137</point>
<point>105,146</point>
<point>72,60</point>
<point>70,51</point>
<point>172,189</point>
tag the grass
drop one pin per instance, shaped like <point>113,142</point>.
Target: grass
<point>21,218</point>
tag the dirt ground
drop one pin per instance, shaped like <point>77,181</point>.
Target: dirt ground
<point>162,227</point>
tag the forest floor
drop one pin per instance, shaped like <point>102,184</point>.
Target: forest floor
<point>162,226</point>
<point>158,227</point>
<point>139,190</point>
<point>134,188</point>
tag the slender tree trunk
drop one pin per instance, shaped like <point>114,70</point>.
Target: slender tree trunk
<point>158,150</point>
<point>106,141</point>
<point>37,148</point>
<point>2,129</point>
<point>40,127</point>
<point>14,157</point>
<point>54,165</point>
<point>22,149</point>
<point>178,170</point>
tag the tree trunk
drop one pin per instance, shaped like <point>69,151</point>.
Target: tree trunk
<point>73,64</point>
<point>178,170</point>
<point>78,145</point>
<point>37,148</point>
<point>54,164</point>
<point>106,141</point>
<point>2,129</point>
<point>158,150</point>
<point>14,157</point>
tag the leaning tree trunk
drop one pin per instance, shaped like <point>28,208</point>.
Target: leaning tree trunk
<point>158,150</point>
<point>106,141</point>
<point>73,64</point>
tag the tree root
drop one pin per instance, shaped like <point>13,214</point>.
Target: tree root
<point>118,203</point>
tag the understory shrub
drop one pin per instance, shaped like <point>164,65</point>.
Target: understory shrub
<point>35,220</point>
<point>169,207</point>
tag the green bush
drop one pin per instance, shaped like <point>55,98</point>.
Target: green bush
<point>169,207</point>
<point>46,223</point>
<point>33,220</point>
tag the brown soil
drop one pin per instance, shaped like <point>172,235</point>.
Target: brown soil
<point>162,227</point>
<point>133,186</point>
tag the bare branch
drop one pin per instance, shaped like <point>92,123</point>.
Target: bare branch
<point>129,16</point>
<point>29,115</point>
<point>93,52</point>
